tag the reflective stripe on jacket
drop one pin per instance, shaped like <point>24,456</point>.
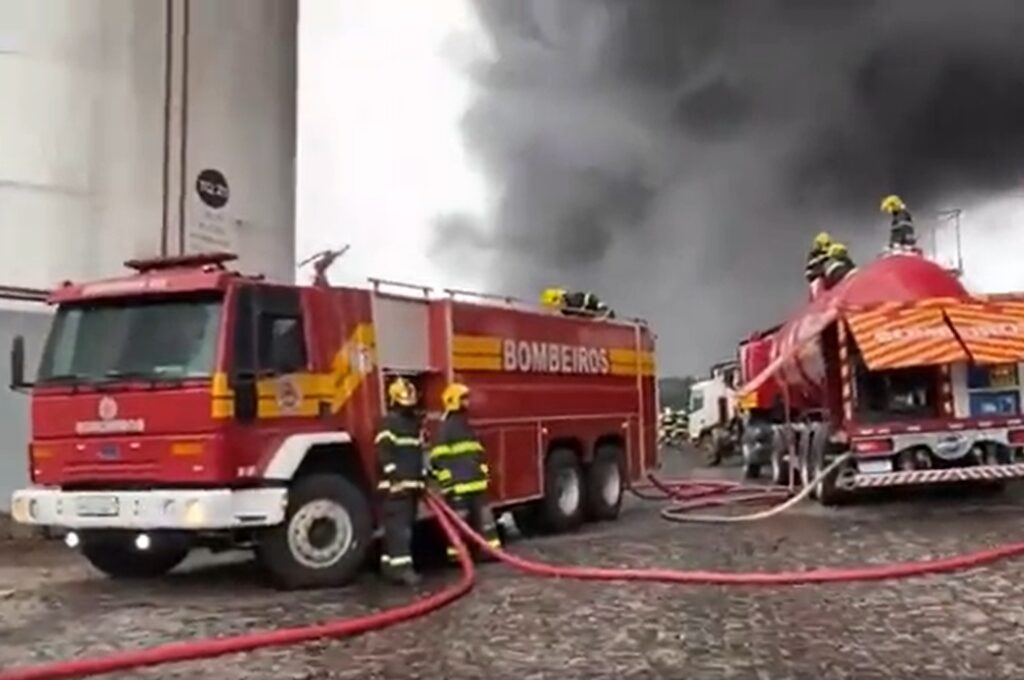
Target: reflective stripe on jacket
<point>400,453</point>
<point>457,457</point>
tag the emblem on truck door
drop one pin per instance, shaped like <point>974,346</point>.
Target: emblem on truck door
<point>289,397</point>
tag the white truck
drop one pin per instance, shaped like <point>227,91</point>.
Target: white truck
<point>714,422</point>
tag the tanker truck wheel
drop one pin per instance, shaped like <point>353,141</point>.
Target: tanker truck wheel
<point>710,452</point>
<point>605,483</point>
<point>563,505</point>
<point>829,491</point>
<point>115,554</point>
<point>324,538</point>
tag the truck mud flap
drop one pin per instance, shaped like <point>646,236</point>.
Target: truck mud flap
<point>916,477</point>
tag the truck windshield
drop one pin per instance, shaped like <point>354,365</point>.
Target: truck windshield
<point>164,338</point>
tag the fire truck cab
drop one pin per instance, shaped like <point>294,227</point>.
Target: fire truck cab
<point>188,405</point>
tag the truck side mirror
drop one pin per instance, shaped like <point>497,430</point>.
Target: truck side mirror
<point>246,400</point>
<point>18,364</point>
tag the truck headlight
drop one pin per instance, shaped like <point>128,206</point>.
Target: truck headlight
<point>24,510</point>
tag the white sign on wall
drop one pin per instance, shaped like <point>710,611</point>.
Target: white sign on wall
<point>211,228</point>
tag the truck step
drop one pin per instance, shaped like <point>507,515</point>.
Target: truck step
<point>915,477</point>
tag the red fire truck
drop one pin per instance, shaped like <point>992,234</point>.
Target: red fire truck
<point>898,366</point>
<point>187,405</point>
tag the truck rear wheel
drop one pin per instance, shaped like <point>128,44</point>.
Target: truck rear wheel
<point>562,507</point>
<point>324,538</point>
<point>116,555</point>
<point>711,454</point>
<point>605,483</point>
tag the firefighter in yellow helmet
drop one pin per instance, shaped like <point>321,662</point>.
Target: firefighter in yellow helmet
<point>816,257</point>
<point>459,464</point>
<point>402,478</point>
<point>838,266</point>
<point>576,303</point>
<point>901,229</point>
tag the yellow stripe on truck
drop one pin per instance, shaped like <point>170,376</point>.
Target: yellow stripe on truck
<point>487,353</point>
<point>300,394</point>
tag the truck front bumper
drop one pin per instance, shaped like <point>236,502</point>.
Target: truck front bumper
<point>182,509</point>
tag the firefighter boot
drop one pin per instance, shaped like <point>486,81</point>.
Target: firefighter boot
<point>403,576</point>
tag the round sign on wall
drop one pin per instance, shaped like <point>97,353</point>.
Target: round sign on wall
<point>212,187</point>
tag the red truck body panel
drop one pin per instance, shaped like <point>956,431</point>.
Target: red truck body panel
<point>537,379</point>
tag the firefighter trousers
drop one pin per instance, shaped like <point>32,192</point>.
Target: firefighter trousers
<point>399,515</point>
<point>473,507</point>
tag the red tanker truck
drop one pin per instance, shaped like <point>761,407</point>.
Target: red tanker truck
<point>899,366</point>
<point>187,405</point>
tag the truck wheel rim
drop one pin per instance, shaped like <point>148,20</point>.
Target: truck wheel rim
<point>612,485</point>
<point>569,493</point>
<point>320,534</point>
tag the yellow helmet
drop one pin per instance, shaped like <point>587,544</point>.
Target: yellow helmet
<point>552,297</point>
<point>837,250</point>
<point>823,240</point>
<point>453,395</point>
<point>893,203</point>
<point>401,392</point>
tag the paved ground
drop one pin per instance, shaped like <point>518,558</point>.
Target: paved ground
<point>961,626</point>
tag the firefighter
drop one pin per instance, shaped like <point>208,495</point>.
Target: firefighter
<point>402,479</point>
<point>901,230</point>
<point>458,463</point>
<point>576,303</point>
<point>816,257</point>
<point>838,265</point>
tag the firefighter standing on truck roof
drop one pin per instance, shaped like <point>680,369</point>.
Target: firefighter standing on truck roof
<point>402,479</point>
<point>458,463</point>
<point>576,303</point>
<point>816,258</point>
<point>901,230</point>
<point>838,266</point>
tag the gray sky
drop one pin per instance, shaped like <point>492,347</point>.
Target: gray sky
<point>385,86</point>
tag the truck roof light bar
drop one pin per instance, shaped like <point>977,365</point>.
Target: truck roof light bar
<point>216,260</point>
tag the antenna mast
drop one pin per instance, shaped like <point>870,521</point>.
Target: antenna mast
<point>953,215</point>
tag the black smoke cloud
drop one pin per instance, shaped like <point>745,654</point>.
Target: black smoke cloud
<point>676,156</point>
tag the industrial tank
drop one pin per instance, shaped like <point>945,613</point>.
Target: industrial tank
<point>133,128</point>
<point>892,278</point>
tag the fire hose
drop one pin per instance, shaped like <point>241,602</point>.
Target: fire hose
<point>692,495</point>
<point>211,647</point>
<point>453,524</point>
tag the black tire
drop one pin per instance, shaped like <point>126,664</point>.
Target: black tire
<point>710,453</point>
<point>116,555</point>
<point>752,471</point>
<point>780,468</point>
<point>560,512</point>
<point>528,519</point>
<point>828,491</point>
<point>282,555</point>
<point>605,485</point>
<point>803,454</point>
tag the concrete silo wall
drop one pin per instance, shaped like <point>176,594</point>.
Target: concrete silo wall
<point>113,111</point>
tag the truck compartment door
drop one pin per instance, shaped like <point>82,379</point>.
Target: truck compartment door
<point>402,330</point>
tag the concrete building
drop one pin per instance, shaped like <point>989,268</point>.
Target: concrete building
<point>133,128</point>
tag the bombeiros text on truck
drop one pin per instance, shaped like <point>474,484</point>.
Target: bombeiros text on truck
<point>187,405</point>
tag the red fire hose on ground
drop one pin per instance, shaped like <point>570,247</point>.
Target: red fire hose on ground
<point>693,495</point>
<point>206,648</point>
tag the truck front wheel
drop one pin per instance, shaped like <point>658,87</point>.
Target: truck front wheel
<point>324,538</point>
<point>116,555</point>
<point>605,483</point>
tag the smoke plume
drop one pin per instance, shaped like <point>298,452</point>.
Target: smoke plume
<point>677,156</point>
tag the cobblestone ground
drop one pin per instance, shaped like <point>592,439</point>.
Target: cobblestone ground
<point>966,625</point>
